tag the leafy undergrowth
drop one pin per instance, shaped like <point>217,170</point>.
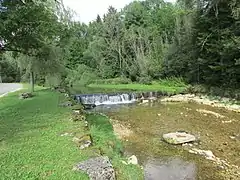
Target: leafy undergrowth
<point>105,140</point>
<point>141,87</point>
<point>31,146</point>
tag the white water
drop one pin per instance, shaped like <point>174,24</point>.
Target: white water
<point>105,99</point>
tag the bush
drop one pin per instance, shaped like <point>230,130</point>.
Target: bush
<point>114,81</point>
<point>53,80</point>
<point>173,82</point>
<point>145,80</point>
<point>82,75</point>
<point>196,89</point>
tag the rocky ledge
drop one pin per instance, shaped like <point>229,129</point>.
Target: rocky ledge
<point>223,103</point>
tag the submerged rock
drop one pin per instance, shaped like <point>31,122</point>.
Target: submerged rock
<point>99,168</point>
<point>178,138</point>
<point>206,153</point>
<point>210,112</point>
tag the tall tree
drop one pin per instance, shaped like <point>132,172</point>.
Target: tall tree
<point>31,28</point>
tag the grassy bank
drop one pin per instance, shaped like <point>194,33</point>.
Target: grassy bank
<point>105,140</point>
<point>140,87</point>
<point>31,146</point>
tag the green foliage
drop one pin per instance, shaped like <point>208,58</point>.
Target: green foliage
<point>8,71</point>
<point>172,82</point>
<point>131,43</point>
<point>145,80</point>
<point>82,75</point>
<point>206,50</point>
<point>31,35</point>
<point>148,40</point>
<point>53,80</point>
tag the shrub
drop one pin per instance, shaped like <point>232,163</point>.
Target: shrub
<point>195,89</point>
<point>173,81</point>
<point>82,75</point>
<point>145,80</point>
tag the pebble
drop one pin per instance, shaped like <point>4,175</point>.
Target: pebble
<point>133,160</point>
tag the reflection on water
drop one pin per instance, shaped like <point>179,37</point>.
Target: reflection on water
<point>169,169</point>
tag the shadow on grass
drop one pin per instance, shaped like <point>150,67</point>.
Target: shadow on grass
<point>21,115</point>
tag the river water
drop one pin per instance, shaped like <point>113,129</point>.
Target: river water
<point>161,161</point>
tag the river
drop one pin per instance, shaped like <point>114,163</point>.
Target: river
<point>162,161</point>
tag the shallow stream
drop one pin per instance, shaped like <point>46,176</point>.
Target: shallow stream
<point>161,161</point>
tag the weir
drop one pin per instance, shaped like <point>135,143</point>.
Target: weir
<point>106,99</point>
<point>117,98</point>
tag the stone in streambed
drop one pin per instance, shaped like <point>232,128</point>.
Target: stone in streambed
<point>178,138</point>
<point>99,168</point>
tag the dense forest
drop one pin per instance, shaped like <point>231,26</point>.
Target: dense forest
<point>197,40</point>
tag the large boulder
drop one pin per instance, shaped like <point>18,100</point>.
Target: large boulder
<point>99,168</point>
<point>178,138</point>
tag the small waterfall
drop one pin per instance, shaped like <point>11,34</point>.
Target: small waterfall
<point>106,99</point>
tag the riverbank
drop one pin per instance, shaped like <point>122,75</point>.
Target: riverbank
<point>140,87</point>
<point>216,130</point>
<point>202,99</point>
<point>36,140</point>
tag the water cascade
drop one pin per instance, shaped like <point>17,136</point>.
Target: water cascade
<point>106,99</point>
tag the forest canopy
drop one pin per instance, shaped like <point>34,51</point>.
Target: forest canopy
<point>197,40</point>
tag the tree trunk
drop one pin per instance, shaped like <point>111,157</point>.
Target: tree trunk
<point>32,81</point>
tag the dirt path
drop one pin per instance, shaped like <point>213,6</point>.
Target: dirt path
<point>6,88</point>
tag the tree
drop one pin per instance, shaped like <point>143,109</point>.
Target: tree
<point>31,29</point>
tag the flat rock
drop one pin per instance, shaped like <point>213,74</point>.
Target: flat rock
<point>178,138</point>
<point>99,168</point>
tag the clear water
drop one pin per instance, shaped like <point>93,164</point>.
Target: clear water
<point>162,161</point>
<point>169,169</point>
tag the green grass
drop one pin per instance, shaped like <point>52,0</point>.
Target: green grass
<point>140,87</point>
<point>105,140</point>
<point>30,143</point>
<point>31,147</point>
